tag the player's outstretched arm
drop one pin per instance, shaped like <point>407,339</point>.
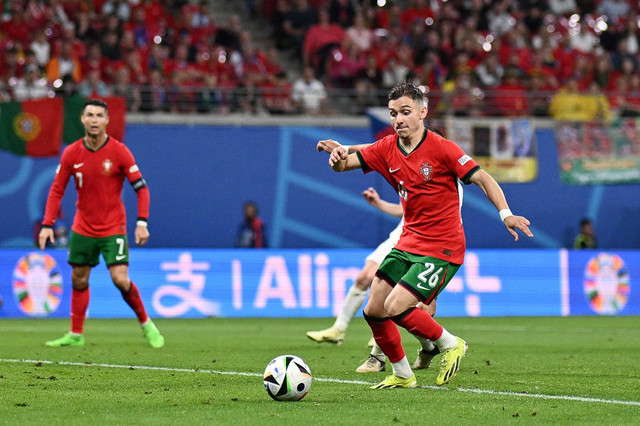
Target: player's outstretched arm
<point>373,198</point>
<point>328,145</point>
<point>46,234</point>
<point>494,193</point>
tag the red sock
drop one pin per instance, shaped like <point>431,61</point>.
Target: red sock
<point>387,336</point>
<point>79,303</point>
<point>135,302</point>
<point>420,323</point>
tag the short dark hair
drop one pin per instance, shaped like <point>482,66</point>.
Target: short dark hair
<point>95,102</point>
<point>406,89</point>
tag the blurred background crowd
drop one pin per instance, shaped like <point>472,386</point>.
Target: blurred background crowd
<point>565,59</point>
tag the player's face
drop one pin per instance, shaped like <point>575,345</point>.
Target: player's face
<point>95,120</point>
<point>407,116</point>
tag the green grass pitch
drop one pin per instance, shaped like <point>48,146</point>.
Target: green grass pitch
<point>574,370</point>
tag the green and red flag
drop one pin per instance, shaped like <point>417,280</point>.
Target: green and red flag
<point>32,127</point>
<point>73,128</point>
<point>38,128</point>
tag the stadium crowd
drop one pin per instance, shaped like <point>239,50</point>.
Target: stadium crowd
<point>567,59</point>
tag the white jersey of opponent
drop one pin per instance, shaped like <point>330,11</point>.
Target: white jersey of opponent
<point>385,247</point>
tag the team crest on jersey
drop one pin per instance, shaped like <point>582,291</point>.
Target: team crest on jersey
<point>425,170</point>
<point>106,166</point>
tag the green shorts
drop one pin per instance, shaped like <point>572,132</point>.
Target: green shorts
<point>85,250</point>
<point>424,276</point>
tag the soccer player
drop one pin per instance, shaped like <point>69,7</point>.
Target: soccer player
<point>376,361</point>
<point>99,164</point>
<point>424,168</point>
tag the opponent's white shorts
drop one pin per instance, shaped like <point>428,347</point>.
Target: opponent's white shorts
<point>385,247</point>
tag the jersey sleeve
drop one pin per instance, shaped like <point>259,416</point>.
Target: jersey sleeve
<point>134,176</point>
<point>460,163</point>
<point>56,192</point>
<point>372,158</point>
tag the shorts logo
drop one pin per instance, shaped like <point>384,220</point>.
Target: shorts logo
<point>462,160</point>
<point>425,170</point>
<point>121,256</point>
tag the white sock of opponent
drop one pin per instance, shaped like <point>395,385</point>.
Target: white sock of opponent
<point>427,345</point>
<point>377,352</point>
<point>353,302</point>
<point>402,368</point>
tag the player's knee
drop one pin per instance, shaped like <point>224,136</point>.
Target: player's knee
<point>364,280</point>
<point>122,283</point>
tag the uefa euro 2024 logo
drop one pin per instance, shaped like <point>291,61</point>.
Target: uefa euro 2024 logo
<point>37,284</point>
<point>606,283</point>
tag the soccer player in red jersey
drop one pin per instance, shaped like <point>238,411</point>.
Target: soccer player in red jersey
<point>424,168</point>
<point>99,164</point>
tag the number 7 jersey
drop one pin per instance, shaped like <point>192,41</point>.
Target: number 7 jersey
<point>98,176</point>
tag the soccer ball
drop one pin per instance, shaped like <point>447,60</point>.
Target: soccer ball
<point>287,378</point>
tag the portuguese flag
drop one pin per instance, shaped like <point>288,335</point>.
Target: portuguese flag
<point>32,127</point>
<point>38,128</point>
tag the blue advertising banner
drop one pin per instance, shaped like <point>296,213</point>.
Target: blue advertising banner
<point>193,283</point>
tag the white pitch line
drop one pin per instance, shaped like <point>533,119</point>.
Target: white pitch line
<point>329,380</point>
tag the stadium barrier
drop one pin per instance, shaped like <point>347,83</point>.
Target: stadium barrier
<point>195,283</point>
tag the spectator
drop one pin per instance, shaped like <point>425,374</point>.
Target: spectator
<point>345,63</point>
<point>92,86</point>
<point>309,94</point>
<point>153,95</point>
<point>342,12</point>
<point>614,9</point>
<point>509,99</point>
<point>31,85</point>
<point>319,40</point>
<point>360,34</point>
<point>9,66</point>
<point>118,8</point>
<point>251,232</point>
<point>367,83</point>
<point>85,30</point>
<point>398,68</point>
<point>489,72</point>
<point>563,7</point>
<point>462,99</point>
<point>571,105</point>
<point>41,47</point>
<point>122,87</point>
<point>586,239</point>
<point>110,46</point>
<point>276,94</point>
<point>65,63</point>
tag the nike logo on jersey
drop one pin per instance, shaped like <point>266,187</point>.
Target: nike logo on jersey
<point>121,256</point>
<point>393,170</point>
<point>77,166</point>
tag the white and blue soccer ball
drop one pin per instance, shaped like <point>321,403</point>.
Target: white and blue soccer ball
<point>287,378</point>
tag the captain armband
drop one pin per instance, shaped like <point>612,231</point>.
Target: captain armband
<point>138,184</point>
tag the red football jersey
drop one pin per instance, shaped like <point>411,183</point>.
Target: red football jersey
<point>99,176</point>
<point>426,180</point>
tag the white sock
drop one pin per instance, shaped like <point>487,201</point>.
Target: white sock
<point>427,345</point>
<point>377,352</point>
<point>353,302</point>
<point>402,368</point>
<point>446,341</point>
